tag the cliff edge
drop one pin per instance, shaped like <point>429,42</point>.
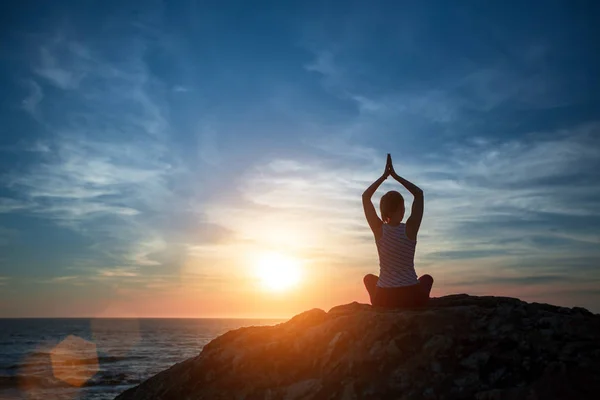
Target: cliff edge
<point>459,347</point>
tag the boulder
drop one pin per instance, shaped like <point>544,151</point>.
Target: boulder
<point>458,347</point>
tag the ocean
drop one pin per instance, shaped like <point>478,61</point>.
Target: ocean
<point>96,359</point>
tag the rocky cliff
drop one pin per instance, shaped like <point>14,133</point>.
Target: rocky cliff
<point>459,347</point>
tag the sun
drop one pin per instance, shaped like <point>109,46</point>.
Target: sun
<point>278,272</point>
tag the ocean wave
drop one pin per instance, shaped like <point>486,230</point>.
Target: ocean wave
<point>38,381</point>
<point>113,379</point>
<point>44,381</point>
<point>41,359</point>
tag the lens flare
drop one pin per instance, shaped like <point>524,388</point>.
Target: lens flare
<point>65,366</point>
<point>74,360</point>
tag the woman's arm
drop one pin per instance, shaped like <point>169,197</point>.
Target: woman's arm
<point>411,187</point>
<point>372,218</point>
<point>416,215</point>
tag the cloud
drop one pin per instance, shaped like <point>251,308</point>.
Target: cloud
<point>434,103</point>
<point>10,205</point>
<point>323,64</point>
<point>181,89</point>
<point>60,279</point>
<point>31,102</point>
<point>464,93</point>
<point>512,200</point>
<point>117,273</point>
<point>537,174</point>
<point>108,163</point>
<point>109,169</point>
<point>82,178</point>
<point>63,64</point>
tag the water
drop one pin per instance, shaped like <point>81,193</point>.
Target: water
<point>95,359</point>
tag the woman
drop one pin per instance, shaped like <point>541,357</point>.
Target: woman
<point>397,284</point>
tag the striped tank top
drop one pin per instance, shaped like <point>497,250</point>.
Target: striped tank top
<point>396,257</point>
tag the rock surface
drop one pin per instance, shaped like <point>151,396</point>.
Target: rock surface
<point>459,347</point>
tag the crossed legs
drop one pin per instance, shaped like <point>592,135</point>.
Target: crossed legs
<point>425,285</point>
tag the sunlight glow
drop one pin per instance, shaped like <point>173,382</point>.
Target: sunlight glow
<point>278,272</point>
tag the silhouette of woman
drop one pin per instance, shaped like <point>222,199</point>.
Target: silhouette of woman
<point>397,284</point>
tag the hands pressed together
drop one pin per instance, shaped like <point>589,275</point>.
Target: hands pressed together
<point>389,171</point>
<point>389,168</point>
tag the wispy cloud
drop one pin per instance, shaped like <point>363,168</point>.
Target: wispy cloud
<point>108,160</point>
<point>511,198</point>
<point>323,64</point>
<point>455,95</point>
<point>83,178</point>
<point>61,279</point>
<point>63,64</point>
<point>9,205</point>
<point>181,89</point>
<point>36,95</point>
<point>117,272</point>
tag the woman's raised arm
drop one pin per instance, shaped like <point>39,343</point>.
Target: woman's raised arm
<point>416,215</point>
<point>372,217</point>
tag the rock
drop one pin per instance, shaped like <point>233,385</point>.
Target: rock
<point>300,389</point>
<point>475,360</point>
<point>459,347</point>
<point>437,343</point>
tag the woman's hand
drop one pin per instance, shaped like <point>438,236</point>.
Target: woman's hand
<point>389,167</point>
<point>388,164</point>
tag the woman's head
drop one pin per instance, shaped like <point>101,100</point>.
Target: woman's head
<point>392,207</point>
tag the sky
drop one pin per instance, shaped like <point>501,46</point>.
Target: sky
<point>152,152</point>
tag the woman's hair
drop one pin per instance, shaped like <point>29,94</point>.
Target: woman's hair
<point>389,204</point>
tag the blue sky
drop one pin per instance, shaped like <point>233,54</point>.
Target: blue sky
<point>148,149</point>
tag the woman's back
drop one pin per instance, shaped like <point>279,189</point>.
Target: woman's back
<point>396,257</point>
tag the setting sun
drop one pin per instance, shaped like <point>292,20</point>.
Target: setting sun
<point>278,272</point>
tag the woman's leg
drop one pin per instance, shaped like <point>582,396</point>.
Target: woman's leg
<point>426,282</point>
<point>370,282</point>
